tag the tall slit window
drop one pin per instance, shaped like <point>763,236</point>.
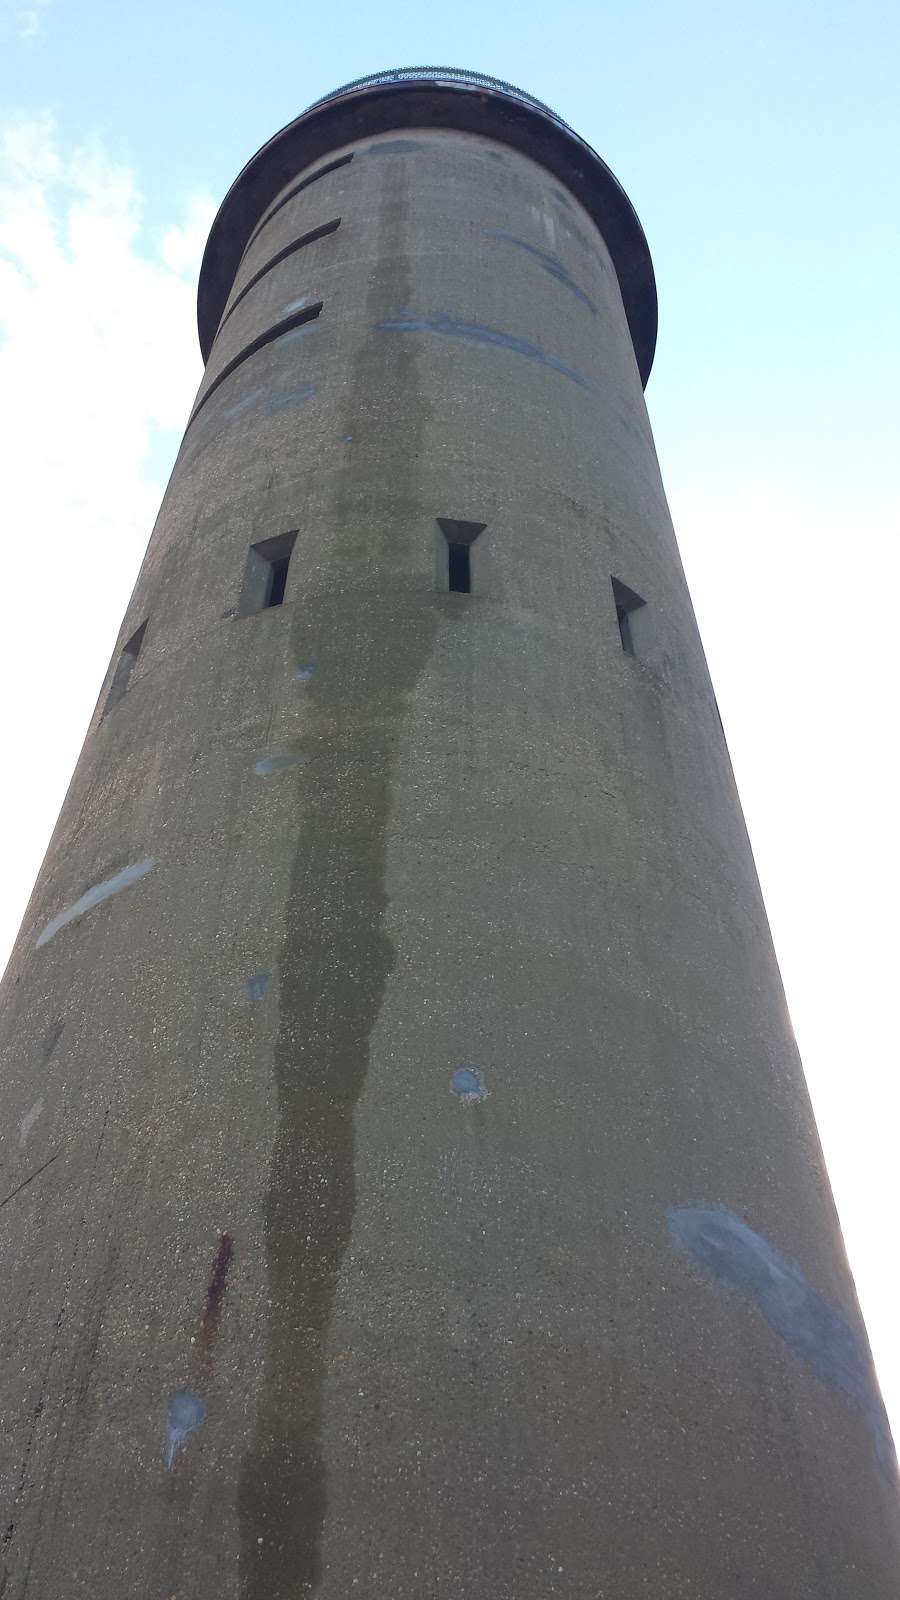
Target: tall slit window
<point>266,573</point>
<point>628,603</point>
<point>459,568</point>
<point>459,537</point>
<point>124,667</point>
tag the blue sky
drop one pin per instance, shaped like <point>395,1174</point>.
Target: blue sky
<point>759,145</point>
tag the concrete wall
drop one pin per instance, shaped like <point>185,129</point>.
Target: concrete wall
<point>417,1189</point>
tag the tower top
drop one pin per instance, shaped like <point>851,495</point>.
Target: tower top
<point>433,97</point>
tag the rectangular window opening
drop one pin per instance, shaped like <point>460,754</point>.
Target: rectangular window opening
<point>459,568</point>
<point>331,166</point>
<point>460,537</point>
<point>266,574</point>
<point>124,668</point>
<point>627,603</point>
<point>278,581</point>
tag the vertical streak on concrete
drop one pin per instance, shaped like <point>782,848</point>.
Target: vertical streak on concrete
<point>334,964</point>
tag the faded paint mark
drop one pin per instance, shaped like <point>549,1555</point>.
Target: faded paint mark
<point>184,1413</point>
<point>212,1311</point>
<point>467,1086</point>
<point>549,263</point>
<point>95,896</point>
<point>212,424</point>
<point>270,764</point>
<point>476,333</point>
<point>816,1331</point>
<point>302,332</point>
<point>257,986</point>
<point>241,405</point>
<point>26,1181</point>
<point>28,1121</point>
<point>295,305</point>
<point>304,673</point>
<point>51,1038</point>
<point>394,147</point>
<point>294,397</point>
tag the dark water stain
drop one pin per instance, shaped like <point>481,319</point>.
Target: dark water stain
<point>817,1332</point>
<point>562,197</point>
<point>215,1294</point>
<point>257,986</point>
<point>549,263</point>
<point>336,956</point>
<point>394,147</point>
<point>184,1412</point>
<point>475,333</point>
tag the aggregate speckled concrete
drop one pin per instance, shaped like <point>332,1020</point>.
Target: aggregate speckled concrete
<point>409,1184</point>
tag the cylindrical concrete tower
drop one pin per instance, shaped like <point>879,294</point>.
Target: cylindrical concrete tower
<point>410,1187</point>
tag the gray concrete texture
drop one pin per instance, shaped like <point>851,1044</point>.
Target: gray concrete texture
<point>410,1186</point>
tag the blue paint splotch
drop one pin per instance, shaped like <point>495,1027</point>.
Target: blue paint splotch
<point>304,672</point>
<point>467,1086</point>
<point>94,897</point>
<point>257,986</point>
<point>549,263</point>
<point>184,1413</point>
<point>453,328</point>
<point>816,1331</point>
<point>269,764</point>
<point>276,402</point>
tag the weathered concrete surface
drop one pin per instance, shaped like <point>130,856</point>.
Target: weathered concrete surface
<point>424,1198</point>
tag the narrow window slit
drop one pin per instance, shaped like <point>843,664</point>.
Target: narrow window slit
<point>266,573</point>
<point>314,177</point>
<point>124,668</point>
<point>460,537</point>
<point>459,568</point>
<point>281,255</point>
<point>278,581</point>
<point>627,603</point>
<point>305,314</point>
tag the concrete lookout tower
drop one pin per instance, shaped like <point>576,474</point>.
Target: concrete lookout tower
<point>410,1187</point>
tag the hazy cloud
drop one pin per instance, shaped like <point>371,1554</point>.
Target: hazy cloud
<point>98,362</point>
<point>18,21</point>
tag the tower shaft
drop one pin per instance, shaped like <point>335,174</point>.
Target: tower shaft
<point>413,1186</point>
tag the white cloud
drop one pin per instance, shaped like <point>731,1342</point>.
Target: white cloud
<point>787,580</point>
<point>98,353</point>
<point>20,21</point>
